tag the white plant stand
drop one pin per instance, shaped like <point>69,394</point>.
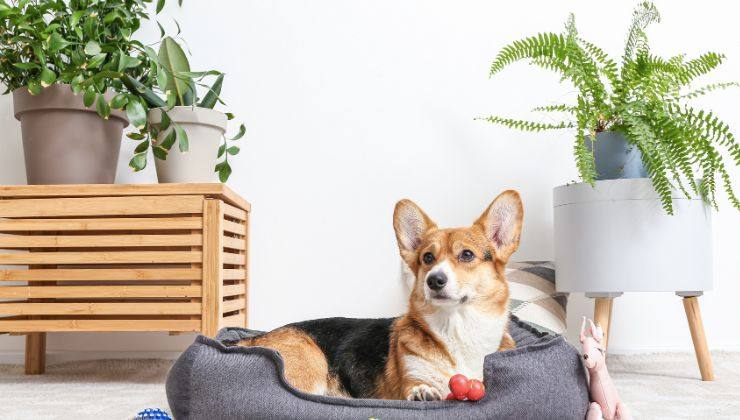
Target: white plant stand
<point>615,237</point>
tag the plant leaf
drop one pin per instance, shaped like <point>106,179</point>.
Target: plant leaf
<point>221,150</point>
<point>57,42</point>
<point>138,162</point>
<point>39,53</point>
<point>173,59</point>
<point>128,62</point>
<point>165,123</point>
<point>182,138</point>
<point>137,88</point>
<point>102,106</point>
<point>96,61</point>
<point>209,101</point>
<point>119,101</point>
<point>136,114</point>
<point>26,66</point>
<point>160,5</point>
<point>75,83</point>
<point>162,78</point>
<point>224,172</point>
<point>47,77</point>
<point>142,147</point>
<point>240,134</point>
<point>92,48</point>
<point>111,16</point>
<point>171,99</point>
<point>34,87</point>
<point>89,97</point>
<point>159,152</point>
<point>233,150</point>
<point>169,140</point>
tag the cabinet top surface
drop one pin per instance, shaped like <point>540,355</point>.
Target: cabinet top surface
<point>214,190</point>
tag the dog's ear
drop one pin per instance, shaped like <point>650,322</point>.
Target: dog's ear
<point>410,224</point>
<point>502,223</point>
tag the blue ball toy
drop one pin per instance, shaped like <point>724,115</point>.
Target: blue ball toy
<point>153,414</point>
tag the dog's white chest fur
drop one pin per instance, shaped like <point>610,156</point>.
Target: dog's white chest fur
<point>468,335</point>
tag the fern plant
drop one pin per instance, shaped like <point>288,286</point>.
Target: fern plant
<point>645,98</point>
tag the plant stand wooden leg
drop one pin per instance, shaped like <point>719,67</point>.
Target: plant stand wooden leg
<point>603,316</point>
<point>703,357</point>
<point>35,353</point>
<point>603,311</point>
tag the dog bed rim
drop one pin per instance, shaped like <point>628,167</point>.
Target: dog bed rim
<point>550,340</point>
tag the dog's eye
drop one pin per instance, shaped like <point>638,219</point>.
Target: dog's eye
<point>428,258</point>
<point>466,255</point>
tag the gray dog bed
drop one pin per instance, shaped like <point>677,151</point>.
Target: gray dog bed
<point>543,378</point>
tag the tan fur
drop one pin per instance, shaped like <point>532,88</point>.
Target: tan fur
<point>306,367</point>
<point>507,343</point>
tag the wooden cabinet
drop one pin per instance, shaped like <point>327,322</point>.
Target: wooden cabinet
<point>168,257</point>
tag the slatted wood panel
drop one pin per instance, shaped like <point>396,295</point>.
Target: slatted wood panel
<point>121,258</point>
<point>236,264</point>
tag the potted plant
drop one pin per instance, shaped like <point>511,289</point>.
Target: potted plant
<point>635,119</point>
<point>184,118</point>
<point>64,62</point>
<point>618,231</point>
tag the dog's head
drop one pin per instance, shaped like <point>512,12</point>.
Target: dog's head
<point>459,266</point>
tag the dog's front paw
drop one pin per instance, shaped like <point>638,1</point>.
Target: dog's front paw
<point>424,393</point>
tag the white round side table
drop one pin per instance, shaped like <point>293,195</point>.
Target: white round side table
<point>615,237</point>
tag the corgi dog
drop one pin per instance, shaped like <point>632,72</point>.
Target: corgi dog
<point>457,314</point>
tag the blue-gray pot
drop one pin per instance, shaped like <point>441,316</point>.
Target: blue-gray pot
<point>615,157</point>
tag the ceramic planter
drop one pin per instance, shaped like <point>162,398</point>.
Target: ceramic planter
<point>616,158</point>
<point>615,237</point>
<point>205,128</point>
<point>65,142</point>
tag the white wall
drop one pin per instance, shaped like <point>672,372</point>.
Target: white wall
<point>352,105</point>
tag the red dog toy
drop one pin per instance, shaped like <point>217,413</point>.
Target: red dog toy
<point>463,388</point>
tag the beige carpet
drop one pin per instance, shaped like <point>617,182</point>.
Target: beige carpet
<point>98,389</point>
<point>668,386</point>
<point>656,386</point>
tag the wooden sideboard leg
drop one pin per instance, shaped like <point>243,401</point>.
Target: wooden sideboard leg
<point>213,263</point>
<point>703,358</point>
<point>35,353</point>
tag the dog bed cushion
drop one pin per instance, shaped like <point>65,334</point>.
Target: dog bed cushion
<point>543,378</point>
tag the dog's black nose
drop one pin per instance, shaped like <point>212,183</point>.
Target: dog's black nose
<point>437,281</point>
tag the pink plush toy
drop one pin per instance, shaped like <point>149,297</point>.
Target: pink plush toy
<point>606,403</point>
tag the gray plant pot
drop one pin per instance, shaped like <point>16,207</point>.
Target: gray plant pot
<point>65,142</point>
<point>615,158</point>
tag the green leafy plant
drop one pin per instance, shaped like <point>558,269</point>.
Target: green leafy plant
<point>177,85</point>
<point>645,98</point>
<point>87,44</point>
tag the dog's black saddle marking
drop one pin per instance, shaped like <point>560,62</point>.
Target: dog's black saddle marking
<point>356,349</point>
